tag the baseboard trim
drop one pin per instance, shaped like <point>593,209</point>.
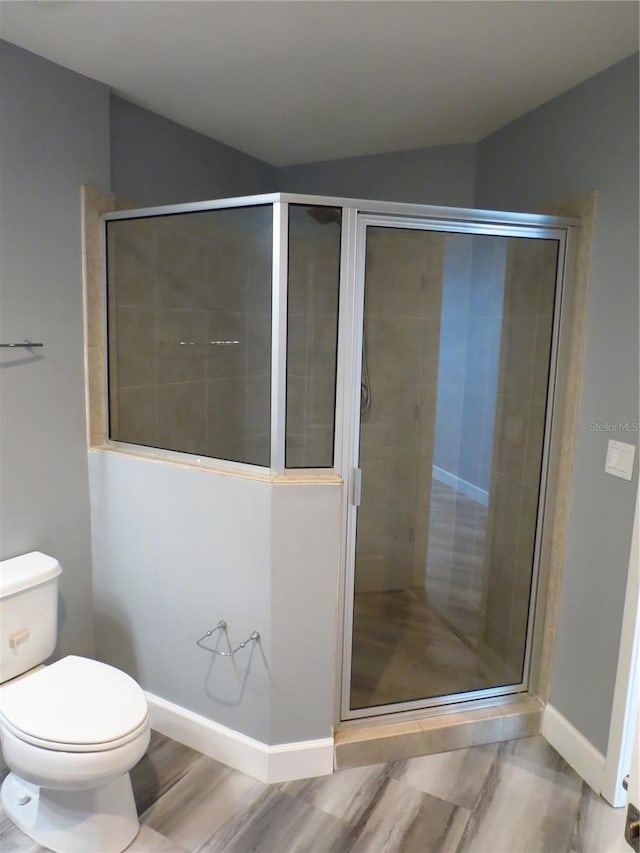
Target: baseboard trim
<point>581,754</point>
<point>280,763</point>
<point>472,491</point>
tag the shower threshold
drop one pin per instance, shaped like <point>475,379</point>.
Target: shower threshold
<point>372,741</point>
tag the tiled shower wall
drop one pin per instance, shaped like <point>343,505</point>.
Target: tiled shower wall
<point>517,452</point>
<point>313,277</point>
<point>472,308</point>
<point>401,328</point>
<point>190,333</point>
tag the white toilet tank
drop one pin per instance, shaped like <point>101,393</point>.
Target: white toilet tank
<point>28,612</point>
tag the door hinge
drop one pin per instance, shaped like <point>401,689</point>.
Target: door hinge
<point>356,486</point>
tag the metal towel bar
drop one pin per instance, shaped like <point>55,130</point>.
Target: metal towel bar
<point>23,345</point>
<point>222,626</point>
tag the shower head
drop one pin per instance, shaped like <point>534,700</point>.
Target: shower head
<point>326,215</point>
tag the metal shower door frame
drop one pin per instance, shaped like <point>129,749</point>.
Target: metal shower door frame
<point>355,223</point>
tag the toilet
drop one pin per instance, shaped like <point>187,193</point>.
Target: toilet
<point>70,731</point>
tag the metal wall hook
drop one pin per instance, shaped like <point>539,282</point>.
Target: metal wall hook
<point>222,626</point>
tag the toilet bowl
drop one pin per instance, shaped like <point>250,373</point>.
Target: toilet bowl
<point>70,732</point>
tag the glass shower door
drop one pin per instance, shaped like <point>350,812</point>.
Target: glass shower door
<point>456,356</point>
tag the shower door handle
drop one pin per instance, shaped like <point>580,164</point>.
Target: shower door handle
<point>356,486</point>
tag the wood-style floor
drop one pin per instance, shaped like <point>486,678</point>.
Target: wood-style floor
<point>514,797</point>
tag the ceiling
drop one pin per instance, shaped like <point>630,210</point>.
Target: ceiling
<point>295,82</point>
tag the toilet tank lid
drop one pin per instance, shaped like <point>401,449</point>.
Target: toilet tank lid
<point>26,571</point>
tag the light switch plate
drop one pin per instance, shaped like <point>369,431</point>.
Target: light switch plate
<point>620,458</point>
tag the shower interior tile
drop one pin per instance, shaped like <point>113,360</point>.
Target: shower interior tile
<point>259,404</point>
<point>523,277</point>
<point>241,450</point>
<point>138,415</point>
<point>180,279</point>
<point>548,289</point>
<point>318,447</point>
<point>507,493</point>
<point>258,334</point>
<point>324,294</point>
<point>257,450</point>
<point>181,336</point>
<point>295,450</point>
<point>297,346</point>
<point>226,288</point>
<point>500,588</point>
<point>296,405</point>
<point>226,412</point>
<point>534,445</point>
<point>136,348</point>
<point>133,273</point>
<point>226,345</point>
<point>496,640</point>
<point>541,359</point>
<point>321,398</point>
<point>182,417</point>
<point>257,270</point>
<point>527,525</point>
<point>519,338</point>
<point>394,349</point>
<point>505,528</point>
<point>371,573</point>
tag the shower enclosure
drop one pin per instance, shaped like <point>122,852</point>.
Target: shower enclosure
<point>409,351</point>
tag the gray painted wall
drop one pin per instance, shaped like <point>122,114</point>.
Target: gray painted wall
<point>587,139</point>
<point>439,175</point>
<point>305,550</point>
<point>176,549</point>
<point>157,161</point>
<point>54,128</point>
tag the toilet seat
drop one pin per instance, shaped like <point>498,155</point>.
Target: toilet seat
<point>75,705</point>
<point>60,746</point>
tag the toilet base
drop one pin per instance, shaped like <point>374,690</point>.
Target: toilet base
<point>93,820</point>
